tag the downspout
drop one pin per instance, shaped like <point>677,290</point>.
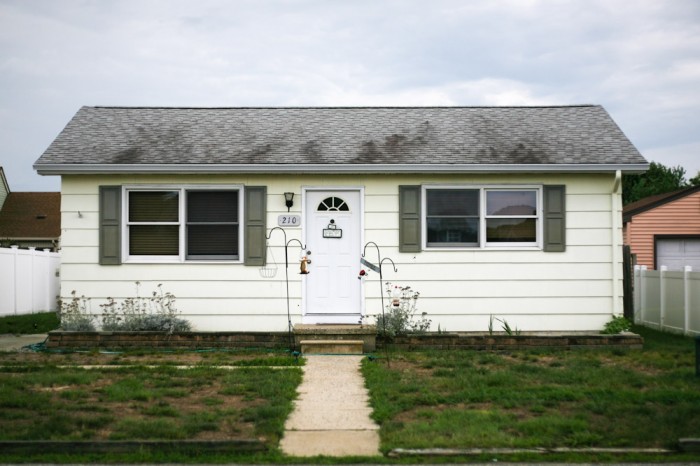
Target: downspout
<point>615,199</point>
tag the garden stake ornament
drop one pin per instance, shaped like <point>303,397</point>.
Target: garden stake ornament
<point>304,261</point>
<point>380,262</point>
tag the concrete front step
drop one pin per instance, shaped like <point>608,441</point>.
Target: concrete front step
<point>366,333</point>
<point>332,346</point>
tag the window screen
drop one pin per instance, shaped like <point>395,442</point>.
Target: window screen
<point>212,225</point>
<point>452,217</point>
<point>153,223</point>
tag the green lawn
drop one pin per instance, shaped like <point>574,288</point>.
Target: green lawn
<point>579,398</point>
<point>422,399</point>
<point>41,401</point>
<point>41,322</point>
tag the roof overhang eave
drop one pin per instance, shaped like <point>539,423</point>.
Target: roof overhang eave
<point>30,238</point>
<point>78,169</point>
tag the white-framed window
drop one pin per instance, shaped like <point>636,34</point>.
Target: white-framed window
<point>174,224</point>
<point>482,216</point>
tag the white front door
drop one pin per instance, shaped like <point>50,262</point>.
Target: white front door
<point>333,235</point>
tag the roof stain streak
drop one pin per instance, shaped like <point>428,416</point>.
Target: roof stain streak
<point>128,156</point>
<point>376,135</point>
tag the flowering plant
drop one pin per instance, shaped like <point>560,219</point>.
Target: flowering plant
<point>156,313</point>
<point>400,314</point>
<point>75,314</point>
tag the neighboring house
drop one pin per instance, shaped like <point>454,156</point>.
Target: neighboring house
<point>29,219</point>
<point>513,212</point>
<point>665,229</point>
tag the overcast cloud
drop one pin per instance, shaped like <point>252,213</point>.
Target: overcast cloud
<point>639,59</point>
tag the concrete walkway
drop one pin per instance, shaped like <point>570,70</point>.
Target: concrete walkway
<point>10,342</point>
<point>331,417</point>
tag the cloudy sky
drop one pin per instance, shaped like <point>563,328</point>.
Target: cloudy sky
<point>640,59</point>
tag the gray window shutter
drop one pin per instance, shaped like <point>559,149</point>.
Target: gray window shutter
<point>555,218</point>
<point>110,225</point>
<point>409,218</point>
<point>255,225</point>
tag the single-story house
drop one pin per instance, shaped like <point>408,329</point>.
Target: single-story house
<point>664,230</point>
<point>511,212</point>
<point>29,219</point>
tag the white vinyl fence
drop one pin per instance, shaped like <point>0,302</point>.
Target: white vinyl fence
<point>667,301</point>
<point>29,280</point>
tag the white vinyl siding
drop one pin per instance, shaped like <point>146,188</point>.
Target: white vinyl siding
<point>460,287</point>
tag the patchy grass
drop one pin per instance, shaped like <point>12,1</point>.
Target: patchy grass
<point>424,399</point>
<point>538,398</point>
<point>41,322</point>
<point>46,402</point>
<point>216,357</point>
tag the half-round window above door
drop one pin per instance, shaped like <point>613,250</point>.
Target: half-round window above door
<point>333,204</point>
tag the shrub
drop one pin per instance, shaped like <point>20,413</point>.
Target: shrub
<point>400,316</point>
<point>617,324</point>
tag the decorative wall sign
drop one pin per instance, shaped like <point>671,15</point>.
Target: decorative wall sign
<point>289,221</point>
<point>332,231</point>
<point>369,265</point>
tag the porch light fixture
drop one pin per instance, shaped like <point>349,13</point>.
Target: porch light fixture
<point>289,200</point>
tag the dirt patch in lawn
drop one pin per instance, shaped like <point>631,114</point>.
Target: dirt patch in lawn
<point>202,412</point>
<point>139,358</point>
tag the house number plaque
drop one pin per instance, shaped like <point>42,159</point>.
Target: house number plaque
<point>289,221</point>
<point>332,231</point>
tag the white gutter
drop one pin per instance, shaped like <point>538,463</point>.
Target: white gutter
<point>616,212</point>
<point>76,169</point>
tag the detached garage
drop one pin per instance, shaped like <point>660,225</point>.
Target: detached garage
<point>664,230</point>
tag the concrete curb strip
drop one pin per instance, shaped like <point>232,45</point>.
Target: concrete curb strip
<point>399,452</point>
<point>48,446</point>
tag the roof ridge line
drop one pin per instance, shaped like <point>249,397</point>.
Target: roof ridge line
<point>342,107</point>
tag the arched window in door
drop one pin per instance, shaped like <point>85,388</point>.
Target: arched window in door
<point>333,204</point>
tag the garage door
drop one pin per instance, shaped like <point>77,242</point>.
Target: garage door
<point>677,253</point>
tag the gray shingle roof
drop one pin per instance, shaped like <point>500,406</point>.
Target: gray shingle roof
<point>422,136</point>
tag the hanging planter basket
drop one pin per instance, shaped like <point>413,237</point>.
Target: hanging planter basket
<point>269,270</point>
